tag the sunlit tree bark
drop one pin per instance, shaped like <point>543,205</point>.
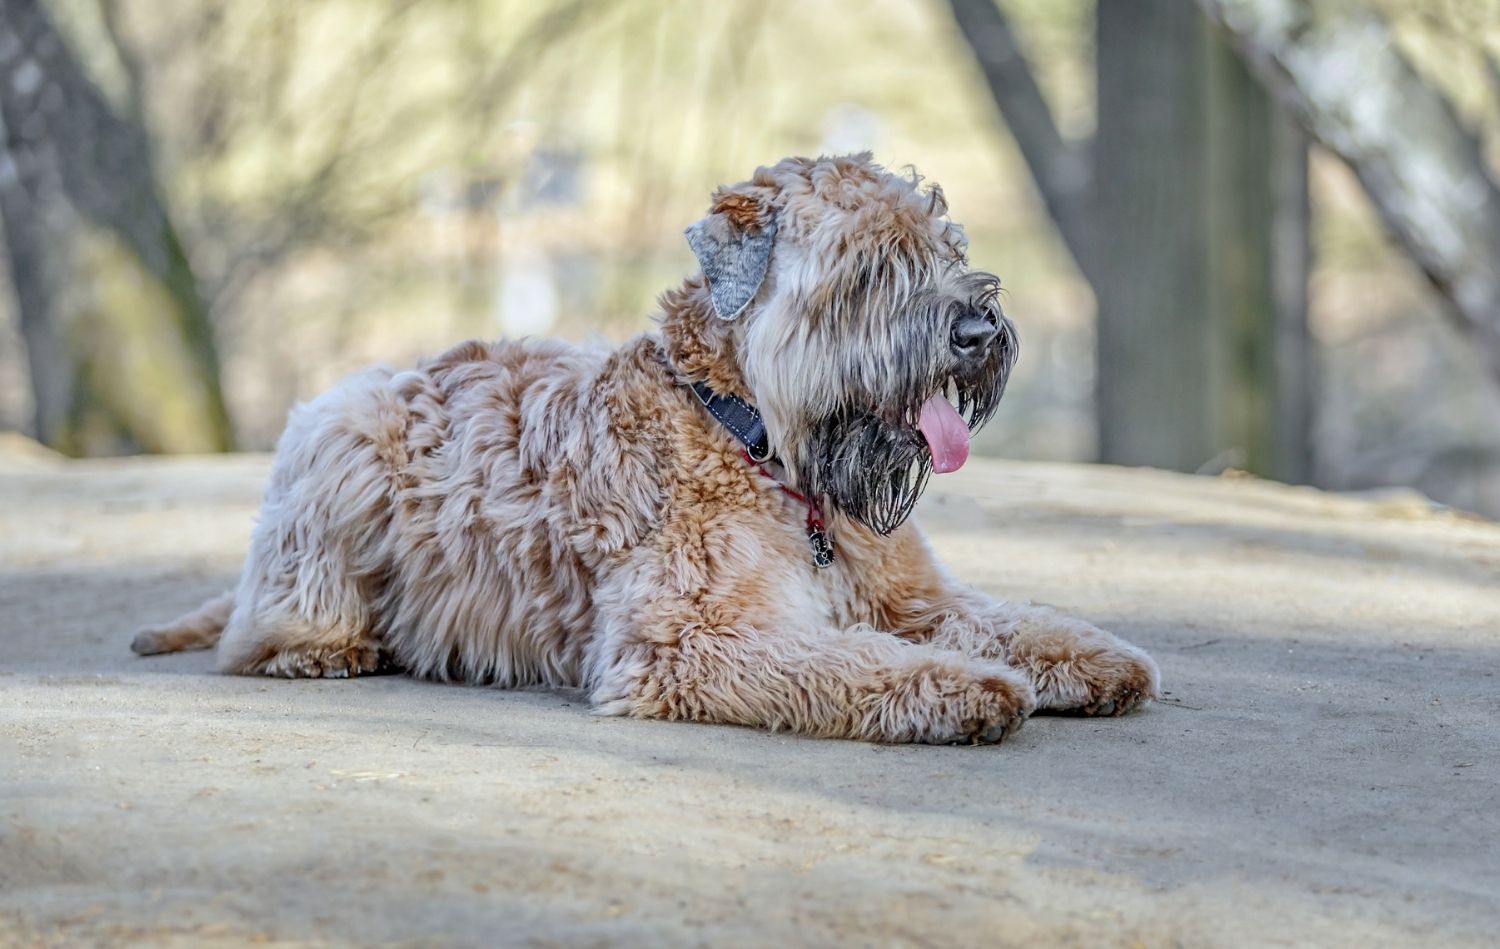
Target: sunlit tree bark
<point>1422,169</point>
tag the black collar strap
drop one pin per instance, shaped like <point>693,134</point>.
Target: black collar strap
<point>740,417</point>
<point>744,421</point>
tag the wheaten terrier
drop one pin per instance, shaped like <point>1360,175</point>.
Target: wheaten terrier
<point>708,523</point>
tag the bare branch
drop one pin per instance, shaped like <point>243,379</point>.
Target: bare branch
<point>130,62</point>
<point>1422,169</point>
<point>1060,167</point>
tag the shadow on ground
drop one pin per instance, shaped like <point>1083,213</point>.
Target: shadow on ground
<point>1323,769</point>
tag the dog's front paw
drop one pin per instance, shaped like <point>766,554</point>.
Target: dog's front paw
<point>1002,707</point>
<point>1118,690</point>
<point>978,705</point>
<point>1087,672</point>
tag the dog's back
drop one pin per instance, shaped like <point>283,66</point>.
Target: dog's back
<point>426,518</point>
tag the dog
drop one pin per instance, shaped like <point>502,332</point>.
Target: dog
<point>709,523</point>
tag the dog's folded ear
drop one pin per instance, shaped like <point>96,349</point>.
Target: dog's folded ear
<point>734,250</point>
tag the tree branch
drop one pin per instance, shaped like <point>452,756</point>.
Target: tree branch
<point>1059,167</point>
<point>65,139</point>
<point>1424,172</point>
<point>130,62</point>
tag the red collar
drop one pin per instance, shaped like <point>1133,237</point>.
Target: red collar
<point>817,534</point>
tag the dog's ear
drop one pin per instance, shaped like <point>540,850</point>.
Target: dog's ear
<point>733,245</point>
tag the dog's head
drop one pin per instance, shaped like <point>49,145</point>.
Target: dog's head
<point>837,297</point>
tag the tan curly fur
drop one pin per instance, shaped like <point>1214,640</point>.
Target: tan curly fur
<point>538,513</point>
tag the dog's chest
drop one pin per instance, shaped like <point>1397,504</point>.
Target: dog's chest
<point>841,594</point>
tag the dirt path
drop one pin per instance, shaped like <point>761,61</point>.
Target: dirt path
<point>1326,768</point>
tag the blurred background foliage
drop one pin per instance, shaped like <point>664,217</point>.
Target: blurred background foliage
<point>358,181</point>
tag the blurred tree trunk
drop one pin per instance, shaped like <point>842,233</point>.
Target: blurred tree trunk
<point>1156,331</point>
<point>1259,215</point>
<point>1423,170</point>
<point>119,344</point>
<point>1187,213</point>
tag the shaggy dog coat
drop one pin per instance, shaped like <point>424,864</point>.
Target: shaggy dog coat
<point>538,513</point>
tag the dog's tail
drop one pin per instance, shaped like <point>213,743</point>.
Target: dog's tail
<point>199,629</point>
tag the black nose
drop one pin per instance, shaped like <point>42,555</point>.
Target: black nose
<point>970,334</point>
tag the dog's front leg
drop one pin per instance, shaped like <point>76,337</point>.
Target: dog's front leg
<point>1072,664</point>
<point>854,683</point>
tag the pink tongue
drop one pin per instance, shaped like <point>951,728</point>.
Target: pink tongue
<point>947,435</point>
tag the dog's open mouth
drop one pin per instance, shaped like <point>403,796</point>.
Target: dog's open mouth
<point>946,432</point>
<point>873,461</point>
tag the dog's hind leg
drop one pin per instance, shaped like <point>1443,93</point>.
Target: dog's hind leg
<point>304,604</point>
<point>300,614</point>
<point>312,622</point>
<point>199,629</point>
<point>279,633</point>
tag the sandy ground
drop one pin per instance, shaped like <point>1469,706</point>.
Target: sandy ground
<point>1324,769</point>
